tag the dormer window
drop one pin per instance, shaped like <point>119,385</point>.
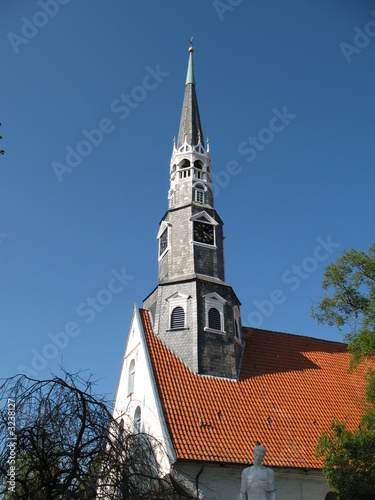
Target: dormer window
<point>214,320</point>
<point>178,318</point>
<point>214,305</point>
<point>177,311</point>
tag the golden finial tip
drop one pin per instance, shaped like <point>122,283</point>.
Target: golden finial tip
<point>191,48</point>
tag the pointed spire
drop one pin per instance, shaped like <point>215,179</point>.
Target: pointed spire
<point>190,124</point>
<point>190,71</point>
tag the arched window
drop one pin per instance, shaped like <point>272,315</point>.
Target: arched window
<point>137,419</point>
<point>214,320</point>
<point>184,168</point>
<point>131,377</point>
<point>178,317</point>
<point>198,169</point>
<point>214,305</point>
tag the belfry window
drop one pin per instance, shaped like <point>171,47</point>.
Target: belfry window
<point>178,317</point>
<point>184,169</point>
<point>198,169</point>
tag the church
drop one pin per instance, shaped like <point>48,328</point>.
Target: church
<point>208,388</point>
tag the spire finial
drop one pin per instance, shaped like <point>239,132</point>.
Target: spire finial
<point>190,121</point>
<point>191,48</point>
<point>190,72</point>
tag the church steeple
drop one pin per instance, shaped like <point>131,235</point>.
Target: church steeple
<point>190,124</point>
<point>190,166</point>
<point>193,310</point>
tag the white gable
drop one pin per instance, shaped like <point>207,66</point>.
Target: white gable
<point>136,390</point>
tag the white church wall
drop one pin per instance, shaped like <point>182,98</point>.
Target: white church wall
<point>223,482</point>
<point>138,390</point>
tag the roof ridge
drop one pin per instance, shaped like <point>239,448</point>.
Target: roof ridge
<point>250,328</point>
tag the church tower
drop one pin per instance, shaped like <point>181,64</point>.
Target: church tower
<point>193,311</point>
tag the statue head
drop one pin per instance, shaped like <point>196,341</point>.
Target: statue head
<point>259,452</point>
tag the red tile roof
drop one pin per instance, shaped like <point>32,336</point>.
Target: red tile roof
<point>291,387</point>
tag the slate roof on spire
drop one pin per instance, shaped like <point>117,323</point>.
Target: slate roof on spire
<point>190,124</point>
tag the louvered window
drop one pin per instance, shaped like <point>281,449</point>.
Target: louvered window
<point>214,320</point>
<point>178,317</point>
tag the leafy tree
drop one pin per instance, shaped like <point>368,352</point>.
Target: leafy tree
<point>349,302</point>
<point>68,445</point>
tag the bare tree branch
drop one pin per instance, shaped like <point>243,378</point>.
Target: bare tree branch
<point>68,445</point>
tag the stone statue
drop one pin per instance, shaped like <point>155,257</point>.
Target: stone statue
<point>258,482</point>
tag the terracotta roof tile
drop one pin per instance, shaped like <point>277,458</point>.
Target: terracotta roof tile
<point>290,388</point>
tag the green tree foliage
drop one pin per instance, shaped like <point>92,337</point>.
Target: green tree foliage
<point>66,444</point>
<point>349,461</point>
<point>349,303</point>
<point>349,300</point>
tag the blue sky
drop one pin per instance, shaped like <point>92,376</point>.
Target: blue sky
<point>78,248</point>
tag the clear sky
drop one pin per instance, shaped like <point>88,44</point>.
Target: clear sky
<point>286,97</point>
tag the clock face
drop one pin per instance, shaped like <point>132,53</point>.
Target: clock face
<point>163,242</point>
<point>203,233</point>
